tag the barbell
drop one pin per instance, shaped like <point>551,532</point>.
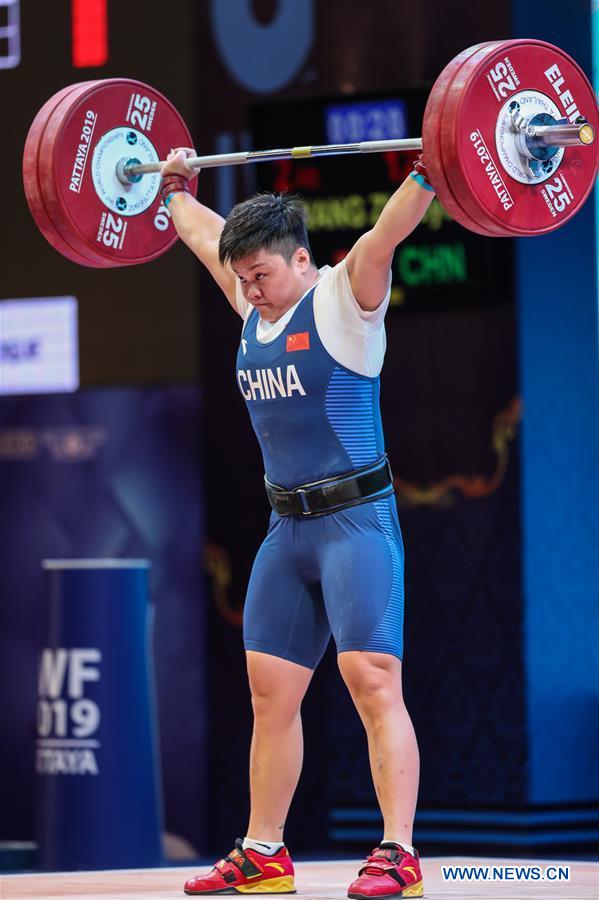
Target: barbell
<point>508,136</point>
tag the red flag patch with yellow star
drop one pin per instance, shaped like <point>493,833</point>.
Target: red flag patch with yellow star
<point>299,341</point>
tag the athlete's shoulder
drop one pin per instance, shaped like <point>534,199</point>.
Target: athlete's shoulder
<point>334,298</point>
<point>330,278</point>
<point>350,335</point>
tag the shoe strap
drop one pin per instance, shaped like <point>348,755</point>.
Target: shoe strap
<point>393,854</point>
<point>241,861</point>
<point>383,861</point>
<point>376,866</point>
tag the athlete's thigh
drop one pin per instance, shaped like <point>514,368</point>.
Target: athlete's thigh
<point>284,613</point>
<point>362,569</point>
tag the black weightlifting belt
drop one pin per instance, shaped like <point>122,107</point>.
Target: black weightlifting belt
<point>332,494</point>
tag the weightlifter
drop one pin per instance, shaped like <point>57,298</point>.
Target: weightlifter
<point>308,366</point>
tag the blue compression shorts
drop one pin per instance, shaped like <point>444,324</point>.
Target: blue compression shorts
<point>339,574</point>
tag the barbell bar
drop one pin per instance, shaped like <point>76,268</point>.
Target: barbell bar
<point>508,136</point>
<point>546,135</point>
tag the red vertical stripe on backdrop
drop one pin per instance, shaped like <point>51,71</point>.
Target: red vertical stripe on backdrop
<point>89,33</point>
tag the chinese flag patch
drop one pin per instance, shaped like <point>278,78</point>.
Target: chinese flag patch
<point>299,341</point>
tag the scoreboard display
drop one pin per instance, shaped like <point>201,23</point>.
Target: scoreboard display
<point>441,266</point>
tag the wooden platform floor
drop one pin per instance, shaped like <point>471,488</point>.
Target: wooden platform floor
<point>314,880</point>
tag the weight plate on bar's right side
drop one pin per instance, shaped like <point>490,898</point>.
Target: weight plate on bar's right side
<point>475,139</point>
<point>431,140</point>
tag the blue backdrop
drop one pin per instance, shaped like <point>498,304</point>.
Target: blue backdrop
<point>104,473</point>
<point>559,373</point>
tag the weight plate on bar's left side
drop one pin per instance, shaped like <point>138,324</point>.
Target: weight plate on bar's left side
<point>34,144</point>
<point>492,181</point>
<point>85,138</point>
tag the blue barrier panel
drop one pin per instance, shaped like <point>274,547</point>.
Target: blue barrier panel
<point>559,373</point>
<point>98,794</point>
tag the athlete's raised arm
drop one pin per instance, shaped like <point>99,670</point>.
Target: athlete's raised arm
<point>197,225</point>
<point>369,260</point>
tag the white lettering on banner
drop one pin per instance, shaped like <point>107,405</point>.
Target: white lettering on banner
<point>65,724</point>
<point>497,182</point>
<point>278,49</point>
<point>557,81</point>
<point>66,762</point>
<point>52,671</point>
<point>263,384</point>
<point>78,673</point>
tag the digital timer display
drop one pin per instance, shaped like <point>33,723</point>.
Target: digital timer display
<point>350,123</point>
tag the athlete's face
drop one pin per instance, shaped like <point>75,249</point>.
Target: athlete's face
<point>272,284</point>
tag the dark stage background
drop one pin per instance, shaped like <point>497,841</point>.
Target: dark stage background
<point>450,410</point>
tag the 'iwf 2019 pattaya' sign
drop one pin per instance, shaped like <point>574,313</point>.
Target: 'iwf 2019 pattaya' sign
<point>67,720</point>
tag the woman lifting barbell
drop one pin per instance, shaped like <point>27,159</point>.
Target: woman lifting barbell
<point>508,135</point>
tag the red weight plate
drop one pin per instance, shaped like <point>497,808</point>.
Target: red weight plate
<point>447,131</point>
<point>34,144</point>
<point>75,249</point>
<point>88,132</point>
<point>472,216</point>
<point>488,177</point>
<point>431,140</point>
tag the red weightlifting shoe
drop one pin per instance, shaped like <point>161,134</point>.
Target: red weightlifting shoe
<point>389,873</point>
<point>246,872</point>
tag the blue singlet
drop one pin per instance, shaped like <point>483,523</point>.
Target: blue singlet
<point>341,572</point>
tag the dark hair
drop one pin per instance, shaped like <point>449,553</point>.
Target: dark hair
<point>272,222</point>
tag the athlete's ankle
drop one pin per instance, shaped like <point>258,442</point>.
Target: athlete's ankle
<point>267,848</point>
<point>407,848</point>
